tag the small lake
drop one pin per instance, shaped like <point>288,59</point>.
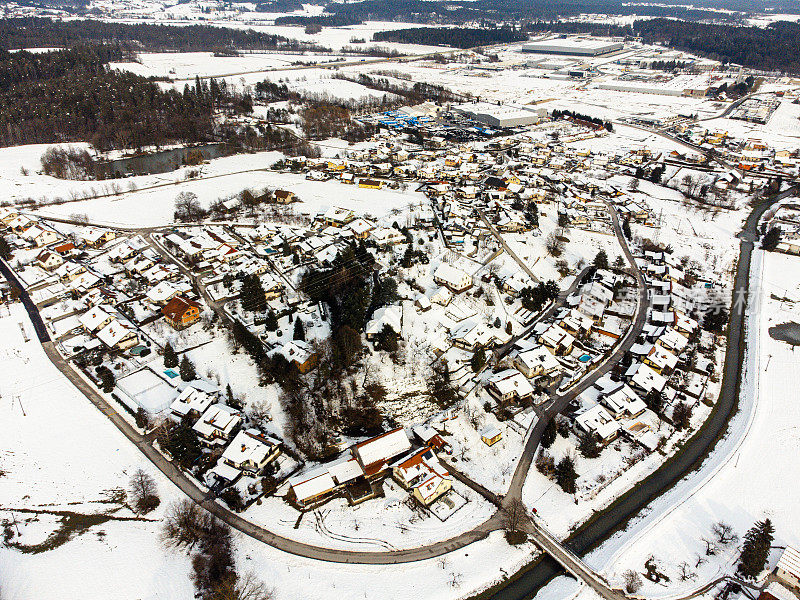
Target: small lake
<point>162,161</point>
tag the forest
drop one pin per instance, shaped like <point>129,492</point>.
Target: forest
<point>459,11</point>
<point>33,32</point>
<point>448,36</point>
<point>71,95</point>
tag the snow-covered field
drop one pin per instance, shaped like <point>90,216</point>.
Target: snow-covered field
<point>152,201</point>
<point>63,454</point>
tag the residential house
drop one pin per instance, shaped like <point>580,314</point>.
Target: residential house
<point>536,362</point>
<point>491,435</point>
<point>509,386</point>
<point>299,353</point>
<point>217,424</point>
<point>598,420</point>
<point>180,312</point>
<point>191,402</point>
<point>49,261</point>
<point>118,336</point>
<point>558,341</point>
<point>250,451</point>
<point>424,475</point>
<point>452,278</point>
<point>284,196</point>
<point>374,455</point>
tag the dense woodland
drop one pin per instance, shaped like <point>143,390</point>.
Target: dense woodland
<point>70,95</point>
<point>459,11</point>
<point>449,36</point>
<point>32,32</point>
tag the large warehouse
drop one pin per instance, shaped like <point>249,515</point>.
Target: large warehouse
<point>573,46</point>
<point>503,115</point>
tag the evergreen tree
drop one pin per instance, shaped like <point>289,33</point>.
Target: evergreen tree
<point>107,380</point>
<point>682,415</point>
<point>271,322</point>
<point>170,357</point>
<point>626,228</point>
<point>654,400</point>
<point>299,330</point>
<point>549,434</point>
<point>588,445</point>
<point>771,239</point>
<point>478,360</point>
<point>5,249</point>
<point>566,476</point>
<point>601,260</point>
<point>755,550</point>
<point>187,370</point>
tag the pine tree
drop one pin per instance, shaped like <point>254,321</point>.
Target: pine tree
<point>5,249</point>
<point>549,434</point>
<point>626,228</point>
<point>299,330</point>
<point>271,322</point>
<point>588,446</point>
<point>601,260</point>
<point>170,357</point>
<point>566,476</point>
<point>756,547</point>
<point>187,370</point>
<point>108,381</point>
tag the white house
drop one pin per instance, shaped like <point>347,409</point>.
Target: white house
<point>452,278</point>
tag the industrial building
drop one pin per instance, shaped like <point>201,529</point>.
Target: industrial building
<point>573,46</point>
<point>694,86</point>
<point>500,115</point>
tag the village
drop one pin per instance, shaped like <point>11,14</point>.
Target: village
<point>516,281</point>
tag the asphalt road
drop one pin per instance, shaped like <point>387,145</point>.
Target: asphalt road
<point>689,458</point>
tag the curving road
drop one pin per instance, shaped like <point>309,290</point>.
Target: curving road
<point>495,522</point>
<point>691,456</point>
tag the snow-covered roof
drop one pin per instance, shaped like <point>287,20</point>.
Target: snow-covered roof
<point>382,448</point>
<point>191,399</point>
<point>248,447</point>
<point>218,417</point>
<point>114,332</point>
<point>598,420</point>
<point>312,484</point>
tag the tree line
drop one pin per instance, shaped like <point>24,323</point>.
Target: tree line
<point>450,36</point>
<point>36,32</point>
<point>71,95</point>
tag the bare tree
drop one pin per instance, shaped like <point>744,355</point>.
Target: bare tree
<point>724,533</point>
<point>143,492</point>
<point>246,587</point>
<point>187,207</point>
<point>632,580</point>
<point>554,244</point>
<point>515,519</point>
<point>685,572</point>
<point>711,547</point>
<point>184,524</point>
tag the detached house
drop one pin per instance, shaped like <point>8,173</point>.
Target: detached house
<point>452,278</point>
<point>181,312</point>
<point>217,424</point>
<point>509,386</point>
<point>250,451</point>
<point>49,261</point>
<point>118,336</point>
<point>424,475</point>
